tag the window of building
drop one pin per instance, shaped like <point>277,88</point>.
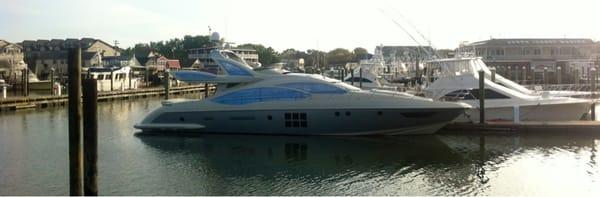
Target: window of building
<point>554,51</point>
<point>565,51</point>
<point>315,88</point>
<point>499,52</point>
<point>537,51</point>
<point>480,52</point>
<point>254,95</point>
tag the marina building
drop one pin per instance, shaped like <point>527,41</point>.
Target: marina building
<point>526,60</point>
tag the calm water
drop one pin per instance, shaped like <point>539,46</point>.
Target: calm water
<point>34,161</point>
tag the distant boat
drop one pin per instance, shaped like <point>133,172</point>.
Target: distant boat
<point>457,79</point>
<point>263,102</point>
<point>121,78</point>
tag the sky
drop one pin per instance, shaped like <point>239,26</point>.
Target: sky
<point>301,24</point>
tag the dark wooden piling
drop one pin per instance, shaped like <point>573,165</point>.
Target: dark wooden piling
<point>166,83</point>
<point>351,76</point>
<point>75,137</point>
<point>493,70</point>
<point>112,77</point>
<point>90,137</point>
<point>52,81</point>
<point>481,97</point>
<point>206,90</point>
<point>130,76</point>
<point>26,82</point>
<point>593,108</point>
<point>545,78</point>
<point>360,76</point>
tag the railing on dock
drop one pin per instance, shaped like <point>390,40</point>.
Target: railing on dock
<point>14,103</point>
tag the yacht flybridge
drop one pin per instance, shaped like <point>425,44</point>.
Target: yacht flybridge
<point>457,79</point>
<point>264,102</point>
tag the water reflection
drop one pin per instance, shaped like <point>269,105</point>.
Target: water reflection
<point>325,165</point>
<point>280,165</point>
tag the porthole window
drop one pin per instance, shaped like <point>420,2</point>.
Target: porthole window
<point>337,113</point>
<point>348,113</point>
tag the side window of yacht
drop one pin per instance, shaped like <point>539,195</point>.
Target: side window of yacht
<point>473,94</point>
<point>254,95</point>
<point>315,88</point>
<point>489,94</point>
<point>358,79</point>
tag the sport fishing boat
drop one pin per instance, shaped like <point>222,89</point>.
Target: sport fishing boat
<point>457,79</point>
<point>264,102</point>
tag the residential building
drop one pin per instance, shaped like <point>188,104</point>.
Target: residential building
<point>526,60</point>
<point>11,58</point>
<point>43,55</point>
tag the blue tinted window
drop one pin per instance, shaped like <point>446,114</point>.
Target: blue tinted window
<point>193,75</point>
<point>315,88</point>
<point>233,69</point>
<point>260,95</point>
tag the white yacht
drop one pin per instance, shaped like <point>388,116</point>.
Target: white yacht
<point>266,102</point>
<point>457,79</point>
<point>368,75</point>
<point>121,78</point>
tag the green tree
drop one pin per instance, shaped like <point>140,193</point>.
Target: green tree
<point>339,57</point>
<point>266,55</point>
<point>359,53</point>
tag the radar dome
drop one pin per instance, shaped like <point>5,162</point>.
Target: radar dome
<point>215,37</point>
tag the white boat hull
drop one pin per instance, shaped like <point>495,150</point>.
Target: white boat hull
<point>547,112</point>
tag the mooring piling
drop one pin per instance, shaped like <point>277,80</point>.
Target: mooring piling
<point>75,136</point>
<point>351,76</point>
<point>360,77</point>
<point>90,137</point>
<point>166,83</point>
<point>481,97</point>
<point>593,80</point>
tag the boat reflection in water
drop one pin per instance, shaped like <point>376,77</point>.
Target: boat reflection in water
<point>416,165</point>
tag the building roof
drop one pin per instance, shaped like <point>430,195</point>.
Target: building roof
<point>84,43</point>
<point>534,41</point>
<point>173,64</point>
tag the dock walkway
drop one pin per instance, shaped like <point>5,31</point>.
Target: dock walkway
<point>529,127</point>
<point>16,103</point>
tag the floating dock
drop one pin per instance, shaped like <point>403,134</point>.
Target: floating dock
<point>18,103</point>
<point>525,127</point>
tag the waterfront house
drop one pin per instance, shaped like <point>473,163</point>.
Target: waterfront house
<point>44,55</point>
<point>11,58</point>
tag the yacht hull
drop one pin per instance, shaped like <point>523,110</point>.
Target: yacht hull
<point>303,122</point>
<point>546,112</point>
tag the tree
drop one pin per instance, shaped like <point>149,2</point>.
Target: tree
<point>359,53</point>
<point>266,56</point>
<point>339,56</point>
